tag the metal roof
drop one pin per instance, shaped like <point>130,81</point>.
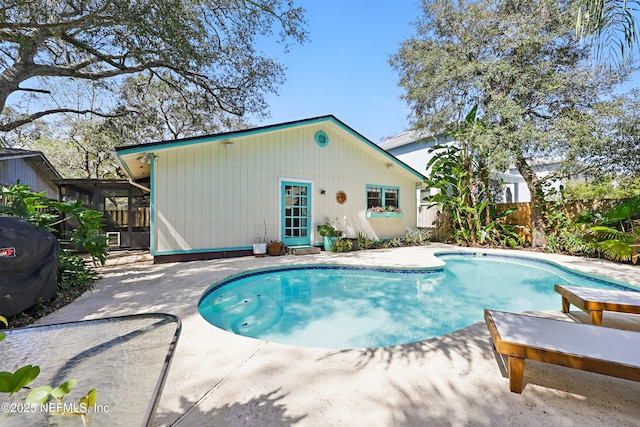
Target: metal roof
<point>35,158</point>
<point>406,138</point>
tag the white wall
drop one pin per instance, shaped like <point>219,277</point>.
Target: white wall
<point>208,197</point>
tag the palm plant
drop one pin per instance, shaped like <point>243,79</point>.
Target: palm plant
<point>608,24</point>
<point>616,231</point>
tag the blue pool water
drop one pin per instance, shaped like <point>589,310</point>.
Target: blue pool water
<point>338,307</point>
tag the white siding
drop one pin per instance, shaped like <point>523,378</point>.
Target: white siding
<point>210,197</point>
<point>12,170</point>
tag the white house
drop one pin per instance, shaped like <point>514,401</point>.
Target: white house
<point>412,148</point>
<point>214,196</point>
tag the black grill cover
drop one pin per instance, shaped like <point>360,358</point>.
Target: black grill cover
<point>28,265</point>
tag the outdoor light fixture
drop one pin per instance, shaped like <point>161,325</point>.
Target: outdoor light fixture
<point>390,166</point>
<point>229,145</point>
<point>146,157</point>
<point>323,192</point>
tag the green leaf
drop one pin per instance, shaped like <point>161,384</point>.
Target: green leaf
<point>90,399</point>
<point>25,375</point>
<point>6,382</point>
<point>63,389</point>
<point>616,249</point>
<point>10,383</point>
<point>39,395</point>
<point>4,320</point>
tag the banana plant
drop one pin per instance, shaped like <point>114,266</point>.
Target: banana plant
<point>459,173</point>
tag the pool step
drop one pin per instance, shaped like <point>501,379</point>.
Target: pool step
<point>224,300</point>
<point>246,305</point>
<point>303,250</point>
<point>267,314</point>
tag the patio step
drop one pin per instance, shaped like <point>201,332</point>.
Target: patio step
<point>303,250</point>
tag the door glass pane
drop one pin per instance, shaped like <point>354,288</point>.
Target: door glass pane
<point>296,213</point>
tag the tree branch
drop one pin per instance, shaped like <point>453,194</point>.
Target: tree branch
<point>97,54</point>
<point>26,89</point>
<point>53,71</point>
<point>89,19</point>
<point>6,127</point>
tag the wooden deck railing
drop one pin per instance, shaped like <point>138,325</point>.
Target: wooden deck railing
<point>140,217</point>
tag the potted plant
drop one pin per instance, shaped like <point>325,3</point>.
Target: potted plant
<point>342,245</point>
<point>354,243</point>
<point>329,234</point>
<point>384,212</point>
<point>260,247</point>
<point>275,248</point>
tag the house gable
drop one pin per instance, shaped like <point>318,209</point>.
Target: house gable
<point>222,193</point>
<point>30,168</point>
<point>135,159</point>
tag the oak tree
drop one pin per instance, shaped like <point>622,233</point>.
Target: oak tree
<point>520,63</point>
<point>202,47</point>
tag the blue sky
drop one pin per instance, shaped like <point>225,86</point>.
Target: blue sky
<point>344,68</point>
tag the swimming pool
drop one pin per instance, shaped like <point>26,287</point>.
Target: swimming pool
<point>349,307</point>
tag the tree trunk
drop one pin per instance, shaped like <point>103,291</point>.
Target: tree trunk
<point>483,176</point>
<point>533,183</point>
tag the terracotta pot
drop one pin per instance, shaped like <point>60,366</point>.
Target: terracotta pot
<point>275,249</point>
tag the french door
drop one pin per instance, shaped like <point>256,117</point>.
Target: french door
<point>296,213</point>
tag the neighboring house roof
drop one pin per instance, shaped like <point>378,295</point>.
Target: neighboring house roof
<point>414,139</point>
<point>135,158</point>
<point>37,160</point>
<point>406,138</point>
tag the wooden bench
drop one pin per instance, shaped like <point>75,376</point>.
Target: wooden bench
<point>591,348</point>
<point>594,301</point>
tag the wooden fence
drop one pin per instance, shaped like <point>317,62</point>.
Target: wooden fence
<point>522,217</point>
<point>428,218</point>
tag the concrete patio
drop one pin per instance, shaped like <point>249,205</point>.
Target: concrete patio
<point>220,379</point>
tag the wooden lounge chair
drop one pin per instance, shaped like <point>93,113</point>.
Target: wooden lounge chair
<point>594,301</point>
<point>591,348</point>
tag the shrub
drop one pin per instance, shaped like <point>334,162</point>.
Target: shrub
<point>342,245</point>
<point>19,201</point>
